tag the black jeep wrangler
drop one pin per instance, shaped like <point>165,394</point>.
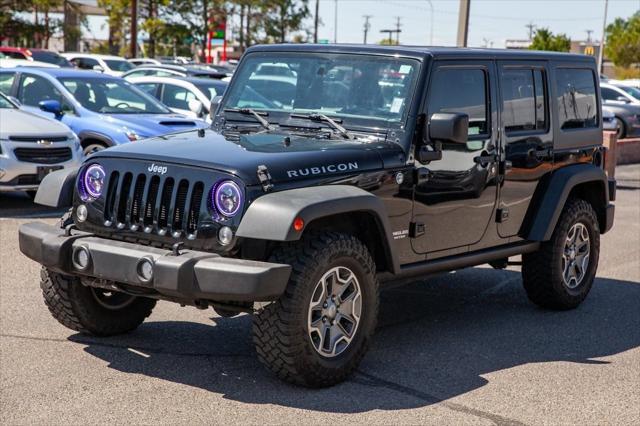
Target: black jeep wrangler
<point>330,171</point>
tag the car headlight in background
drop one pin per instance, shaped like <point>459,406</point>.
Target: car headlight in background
<point>226,198</point>
<point>91,182</point>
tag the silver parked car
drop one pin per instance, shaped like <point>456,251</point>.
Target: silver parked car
<point>32,146</point>
<point>624,101</point>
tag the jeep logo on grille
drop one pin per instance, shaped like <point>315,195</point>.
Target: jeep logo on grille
<point>154,168</point>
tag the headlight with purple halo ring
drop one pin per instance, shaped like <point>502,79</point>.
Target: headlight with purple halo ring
<point>92,182</point>
<point>226,198</point>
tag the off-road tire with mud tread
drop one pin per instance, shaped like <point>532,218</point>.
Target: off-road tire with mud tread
<point>542,270</point>
<point>280,329</point>
<point>75,307</point>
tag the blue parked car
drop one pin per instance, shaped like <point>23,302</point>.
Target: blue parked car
<point>102,110</point>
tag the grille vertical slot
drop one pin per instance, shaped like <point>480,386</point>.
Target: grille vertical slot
<point>194,208</point>
<point>181,199</point>
<point>150,202</point>
<point>165,201</point>
<point>123,196</point>
<point>110,204</point>
<point>136,202</point>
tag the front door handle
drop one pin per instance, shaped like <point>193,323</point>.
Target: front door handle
<point>485,159</point>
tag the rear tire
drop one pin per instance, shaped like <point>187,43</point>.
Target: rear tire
<point>621,130</point>
<point>307,337</point>
<point>560,274</point>
<point>92,311</point>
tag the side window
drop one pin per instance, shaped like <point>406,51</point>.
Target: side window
<point>523,100</point>
<point>576,90</point>
<point>176,97</point>
<point>149,88</point>
<point>462,91</point>
<point>609,94</point>
<point>34,89</point>
<point>139,73</point>
<point>6,82</point>
<point>87,63</point>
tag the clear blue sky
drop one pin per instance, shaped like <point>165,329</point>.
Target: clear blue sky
<point>493,20</point>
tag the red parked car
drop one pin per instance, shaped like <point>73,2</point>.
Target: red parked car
<point>42,55</point>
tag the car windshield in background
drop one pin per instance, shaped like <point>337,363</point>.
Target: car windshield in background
<point>5,104</point>
<point>51,58</point>
<point>119,65</point>
<point>111,96</point>
<point>349,86</point>
<point>631,91</point>
<point>211,90</point>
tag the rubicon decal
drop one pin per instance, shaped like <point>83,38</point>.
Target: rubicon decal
<point>154,168</point>
<point>321,170</point>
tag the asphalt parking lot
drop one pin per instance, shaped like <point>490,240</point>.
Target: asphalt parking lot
<point>459,348</point>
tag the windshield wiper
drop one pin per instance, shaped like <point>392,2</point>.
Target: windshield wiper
<point>248,111</point>
<point>325,119</point>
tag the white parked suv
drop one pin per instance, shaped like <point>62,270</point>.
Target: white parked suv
<point>112,65</point>
<point>32,146</point>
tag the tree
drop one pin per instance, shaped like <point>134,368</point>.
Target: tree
<point>282,17</point>
<point>116,10</point>
<point>544,39</point>
<point>623,41</point>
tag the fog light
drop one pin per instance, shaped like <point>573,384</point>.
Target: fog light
<point>82,213</point>
<point>145,269</point>
<point>225,235</point>
<point>81,258</point>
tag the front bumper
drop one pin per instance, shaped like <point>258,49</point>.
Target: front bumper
<point>189,276</point>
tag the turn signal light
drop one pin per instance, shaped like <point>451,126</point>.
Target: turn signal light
<point>298,224</point>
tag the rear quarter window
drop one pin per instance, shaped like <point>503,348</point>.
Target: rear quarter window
<point>576,97</point>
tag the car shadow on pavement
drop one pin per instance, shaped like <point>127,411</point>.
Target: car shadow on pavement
<point>437,338</point>
<point>19,205</point>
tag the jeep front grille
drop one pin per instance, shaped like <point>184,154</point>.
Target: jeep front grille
<point>153,204</point>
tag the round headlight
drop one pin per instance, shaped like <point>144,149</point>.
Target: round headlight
<point>92,182</point>
<point>227,198</point>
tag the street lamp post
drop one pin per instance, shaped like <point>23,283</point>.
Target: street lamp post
<point>604,30</point>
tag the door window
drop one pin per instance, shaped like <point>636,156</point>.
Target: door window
<point>609,94</point>
<point>6,82</point>
<point>149,88</point>
<point>576,89</point>
<point>461,90</point>
<point>85,63</point>
<point>523,100</point>
<point>177,97</point>
<point>34,89</point>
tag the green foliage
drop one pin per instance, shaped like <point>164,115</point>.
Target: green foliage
<point>623,41</point>
<point>544,39</point>
<point>280,18</point>
<point>388,42</point>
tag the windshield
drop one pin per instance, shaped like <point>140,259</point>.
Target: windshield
<point>119,65</point>
<point>51,58</point>
<point>631,91</point>
<point>5,104</point>
<point>344,85</point>
<point>111,96</point>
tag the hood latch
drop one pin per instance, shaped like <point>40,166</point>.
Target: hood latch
<point>264,177</point>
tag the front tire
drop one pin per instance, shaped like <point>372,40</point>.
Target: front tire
<point>560,274</point>
<point>317,332</point>
<point>92,311</point>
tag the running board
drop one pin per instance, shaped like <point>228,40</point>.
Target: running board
<point>460,261</point>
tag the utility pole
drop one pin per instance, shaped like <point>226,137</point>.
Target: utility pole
<point>463,23</point>
<point>134,29</point>
<point>315,22</point>
<point>431,27</point>
<point>398,30</point>
<point>335,22</point>
<point>367,26</point>
<point>531,27</point>
<point>604,30</point>
<point>589,32</point>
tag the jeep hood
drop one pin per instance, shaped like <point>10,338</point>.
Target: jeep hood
<point>302,158</point>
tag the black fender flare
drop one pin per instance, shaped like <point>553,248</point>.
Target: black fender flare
<point>90,134</point>
<point>551,196</point>
<point>271,216</point>
<point>56,189</point>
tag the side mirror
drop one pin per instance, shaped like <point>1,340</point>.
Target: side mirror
<point>449,127</point>
<point>196,107</point>
<point>623,99</point>
<point>98,68</point>
<point>52,106</point>
<point>215,103</point>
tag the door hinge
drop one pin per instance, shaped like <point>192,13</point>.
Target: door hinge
<point>416,229</point>
<point>265,178</point>
<point>502,215</point>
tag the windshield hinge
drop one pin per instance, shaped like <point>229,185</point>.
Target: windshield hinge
<point>265,178</point>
